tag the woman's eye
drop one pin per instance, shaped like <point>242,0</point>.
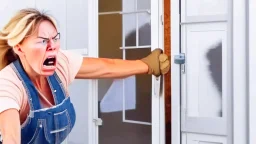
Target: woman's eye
<point>44,41</point>
<point>55,39</point>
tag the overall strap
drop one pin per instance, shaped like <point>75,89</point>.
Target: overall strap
<point>56,88</point>
<point>33,97</point>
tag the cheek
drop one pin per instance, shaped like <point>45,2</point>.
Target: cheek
<point>57,46</point>
<point>35,55</point>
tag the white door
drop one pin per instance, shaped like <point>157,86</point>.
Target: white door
<point>129,108</point>
<point>203,39</point>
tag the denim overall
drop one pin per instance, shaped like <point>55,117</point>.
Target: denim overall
<point>46,125</point>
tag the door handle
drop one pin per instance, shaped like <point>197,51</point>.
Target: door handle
<point>157,85</point>
<point>179,59</point>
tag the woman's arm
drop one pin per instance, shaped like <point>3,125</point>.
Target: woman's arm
<point>155,63</point>
<point>10,126</point>
<point>110,68</point>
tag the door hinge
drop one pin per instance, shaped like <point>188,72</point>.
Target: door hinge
<point>98,121</point>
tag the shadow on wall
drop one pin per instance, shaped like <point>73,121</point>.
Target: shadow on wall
<point>214,55</point>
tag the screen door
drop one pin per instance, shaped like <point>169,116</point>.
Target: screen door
<point>128,108</point>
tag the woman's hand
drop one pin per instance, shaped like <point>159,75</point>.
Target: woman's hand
<point>157,62</point>
<point>95,68</point>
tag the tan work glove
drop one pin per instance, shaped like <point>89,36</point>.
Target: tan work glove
<point>158,63</point>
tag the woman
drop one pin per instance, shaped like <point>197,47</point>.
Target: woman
<point>35,74</point>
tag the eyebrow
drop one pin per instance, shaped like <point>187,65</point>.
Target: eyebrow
<point>48,38</point>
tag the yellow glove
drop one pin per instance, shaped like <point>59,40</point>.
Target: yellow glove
<point>157,62</point>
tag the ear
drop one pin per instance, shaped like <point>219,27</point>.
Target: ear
<point>17,49</point>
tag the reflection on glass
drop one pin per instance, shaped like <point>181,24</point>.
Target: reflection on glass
<point>107,6</point>
<point>143,86</point>
<point>111,91</point>
<point>143,4</point>
<point>144,29</point>
<point>129,29</point>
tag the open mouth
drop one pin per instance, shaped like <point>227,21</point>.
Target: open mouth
<point>50,61</point>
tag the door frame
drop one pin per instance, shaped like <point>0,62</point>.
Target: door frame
<point>175,73</point>
<point>251,6</point>
<point>158,112</point>
<point>241,67</point>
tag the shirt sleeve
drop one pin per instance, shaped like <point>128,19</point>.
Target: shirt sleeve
<point>70,64</point>
<point>10,95</point>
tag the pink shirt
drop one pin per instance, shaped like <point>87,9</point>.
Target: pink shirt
<point>13,93</point>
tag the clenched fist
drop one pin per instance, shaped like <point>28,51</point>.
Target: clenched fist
<point>157,62</point>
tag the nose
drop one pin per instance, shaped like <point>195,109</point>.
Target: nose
<point>50,48</point>
<point>51,45</point>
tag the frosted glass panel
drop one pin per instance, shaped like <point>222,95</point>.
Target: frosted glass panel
<point>143,4</point>
<point>129,29</point>
<point>204,70</point>
<point>144,29</point>
<point>205,7</point>
<point>193,138</point>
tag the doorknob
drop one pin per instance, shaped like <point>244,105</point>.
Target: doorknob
<point>179,59</point>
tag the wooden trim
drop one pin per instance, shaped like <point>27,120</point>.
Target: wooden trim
<point>167,49</point>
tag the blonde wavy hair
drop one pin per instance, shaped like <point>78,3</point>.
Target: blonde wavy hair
<point>23,24</point>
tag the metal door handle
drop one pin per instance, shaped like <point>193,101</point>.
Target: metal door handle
<point>157,86</point>
<point>179,59</point>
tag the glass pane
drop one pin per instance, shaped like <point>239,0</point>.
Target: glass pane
<point>204,71</point>
<point>140,88</point>
<point>205,7</point>
<point>144,29</point>
<point>110,37</point>
<point>143,4</point>
<point>111,91</point>
<point>129,28</point>
<point>109,6</point>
